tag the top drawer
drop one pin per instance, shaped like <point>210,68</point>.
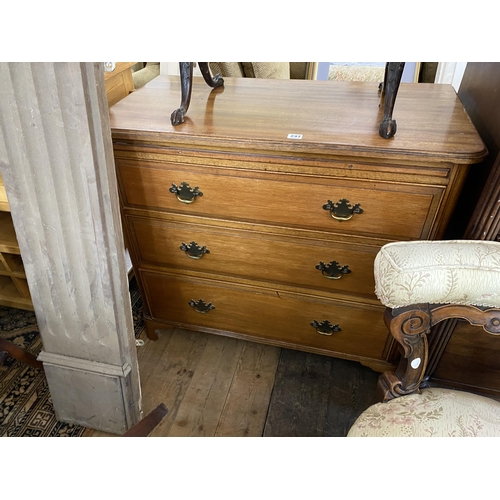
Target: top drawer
<point>397,211</point>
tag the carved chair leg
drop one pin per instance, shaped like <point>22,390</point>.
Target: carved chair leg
<point>410,329</point>
<point>215,81</point>
<point>389,379</point>
<point>148,423</point>
<point>186,71</point>
<point>381,85</point>
<point>20,354</point>
<point>392,80</point>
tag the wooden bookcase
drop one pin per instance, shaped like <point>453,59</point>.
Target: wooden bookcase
<point>14,291</point>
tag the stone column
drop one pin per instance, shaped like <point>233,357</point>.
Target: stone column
<point>56,159</point>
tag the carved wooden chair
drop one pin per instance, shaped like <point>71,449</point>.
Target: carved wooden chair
<point>422,283</point>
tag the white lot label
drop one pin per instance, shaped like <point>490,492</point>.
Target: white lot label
<point>294,136</point>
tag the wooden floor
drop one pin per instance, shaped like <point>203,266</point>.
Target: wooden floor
<point>220,386</point>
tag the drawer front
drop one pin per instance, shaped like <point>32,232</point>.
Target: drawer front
<point>266,314</point>
<point>390,210</point>
<point>271,258</point>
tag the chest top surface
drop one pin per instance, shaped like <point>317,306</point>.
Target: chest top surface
<point>331,118</point>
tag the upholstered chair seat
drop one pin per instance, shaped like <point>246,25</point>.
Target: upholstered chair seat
<point>435,412</point>
<point>422,283</point>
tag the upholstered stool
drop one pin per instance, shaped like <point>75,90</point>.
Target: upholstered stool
<point>423,283</point>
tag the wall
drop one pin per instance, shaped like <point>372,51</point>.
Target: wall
<point>172,68</point>
<point>451,72</point>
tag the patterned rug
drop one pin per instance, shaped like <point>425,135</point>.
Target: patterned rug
<point>25,404</point>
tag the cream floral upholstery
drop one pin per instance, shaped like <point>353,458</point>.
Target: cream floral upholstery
<point>463,272</point>
<point>458,272</point>
<point>433,413</point>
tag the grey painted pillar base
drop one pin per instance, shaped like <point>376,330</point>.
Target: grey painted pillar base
<point>57,164</point>
<point>83,377</point>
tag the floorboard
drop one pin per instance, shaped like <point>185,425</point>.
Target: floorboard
<point>353,389</point>
<point>221,386</point>
<point>318,396</point>
<point>300,396</point>
<point>173,375</point>
<point>248,399</point>
<point>211,385</point>
<point>200,409</point>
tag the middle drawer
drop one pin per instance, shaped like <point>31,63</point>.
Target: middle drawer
<point>318,264</point>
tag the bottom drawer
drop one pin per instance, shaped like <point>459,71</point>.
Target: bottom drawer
<point>281,318</point>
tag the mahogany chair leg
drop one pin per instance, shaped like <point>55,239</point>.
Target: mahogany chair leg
<point>409,328</point>
<point>392,80</point>
<point>186,71</point>
<point>215,81</point>
<point>20,354</point>
<point>148,423</point>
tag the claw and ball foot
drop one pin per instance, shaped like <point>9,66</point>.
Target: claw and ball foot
<point>387,129</point>
<point>177,117</point>
<point>211,81</point>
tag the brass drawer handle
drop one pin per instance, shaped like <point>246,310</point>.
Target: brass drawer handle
<point>342,210</point>
<point>200,306</point>
<point>325,327</point>
<point>184,193</point>
<point>333,271</point>
<point>193,250</point>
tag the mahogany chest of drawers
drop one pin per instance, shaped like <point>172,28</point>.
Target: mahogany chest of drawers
<point>261,215</point>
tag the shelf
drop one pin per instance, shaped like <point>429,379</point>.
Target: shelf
<point>11,265</point>
<point>14,290</point>
<point>4,203</point>
<point>8,239</point>
<point>11,296</point>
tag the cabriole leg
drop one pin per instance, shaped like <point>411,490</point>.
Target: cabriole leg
<point>215,81</point>
<point>392,79</point>
<point>186,71</point>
